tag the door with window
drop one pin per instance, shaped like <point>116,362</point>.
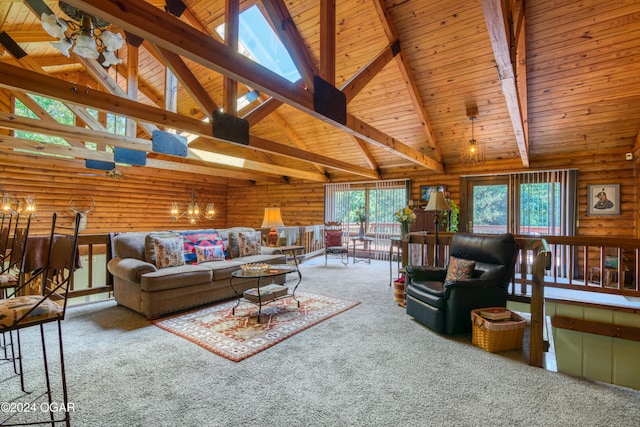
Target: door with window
<point>487,202</point>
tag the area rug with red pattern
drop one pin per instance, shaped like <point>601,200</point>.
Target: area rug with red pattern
<point>238,336</point>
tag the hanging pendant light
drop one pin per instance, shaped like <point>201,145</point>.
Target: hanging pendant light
<point>473,152</point>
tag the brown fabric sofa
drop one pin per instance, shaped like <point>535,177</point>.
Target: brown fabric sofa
<point>153,292</point>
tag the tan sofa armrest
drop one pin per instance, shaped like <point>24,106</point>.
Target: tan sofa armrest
<point>269,250</point>
<point>130,269</point>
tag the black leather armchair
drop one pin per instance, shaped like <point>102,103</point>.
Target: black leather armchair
<point>446,307</point>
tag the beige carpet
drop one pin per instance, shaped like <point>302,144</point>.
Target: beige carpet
<point>238,336</point>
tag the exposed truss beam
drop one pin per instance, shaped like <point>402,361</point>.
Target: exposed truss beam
<point>499,34</point>
<point>404,68</point>
<point>14,77</point>
<point>10,121</point>
<point>358,81</point>
<point>172,34</point>
<point>328,41</point>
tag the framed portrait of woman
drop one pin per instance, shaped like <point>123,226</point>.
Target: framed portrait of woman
<point>603,199</point>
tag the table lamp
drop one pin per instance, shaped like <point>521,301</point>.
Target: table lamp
<point>272,219</point>
<point>437,203</point>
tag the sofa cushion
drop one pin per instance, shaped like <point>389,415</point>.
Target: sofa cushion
<point>459,269</point>
<point>249,243</point>
<point>209,253</point>
<point>175,277</point>
<point>221,270</point>
<point>149,248</point>
<point>168,251</point>
<point>193,238</point>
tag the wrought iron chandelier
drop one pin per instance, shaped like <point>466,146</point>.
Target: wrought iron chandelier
<point>192,212</point>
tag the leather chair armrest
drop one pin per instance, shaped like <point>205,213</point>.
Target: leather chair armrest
<point>130,269</point>
<point>424,273</point>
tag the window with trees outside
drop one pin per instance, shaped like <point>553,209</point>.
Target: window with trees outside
<point>377,200</point>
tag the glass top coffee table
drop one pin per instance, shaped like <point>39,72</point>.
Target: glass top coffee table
<point>264,294</point>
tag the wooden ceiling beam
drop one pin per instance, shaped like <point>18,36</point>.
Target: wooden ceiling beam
<point>358,81</point>
<point>42,114</point>
<point>188,80</point>
<point>231,36</point>
<point>262,111</point>
<point>409,80</point>
<point>328,41</point>
<point>499,35</point>
<point>85,153</point>
<point>172,34</point>
<point>367,155</point>
<point>381,139</point>
<point>11,121</point>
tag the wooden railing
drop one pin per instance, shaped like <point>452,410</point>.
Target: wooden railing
<point>576,262</point>
<point>572,260</point>
<point>93,277</point>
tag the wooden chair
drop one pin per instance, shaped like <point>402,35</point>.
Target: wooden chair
<point>19,311</point>
<point>334,243</point>
<point>12,271</point>
<point>14,250</point>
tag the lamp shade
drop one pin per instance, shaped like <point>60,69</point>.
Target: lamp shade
<point>437,202</point>
<point>272,218</point>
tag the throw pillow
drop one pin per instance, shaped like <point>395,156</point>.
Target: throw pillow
<point>149,250</point>
<point>209,253</point>
<point>459,269</point>
<point>193,238</point>
<point>333,238</point>
<point>234,245</point>
<point>169,251</point>
<point>249,243</point>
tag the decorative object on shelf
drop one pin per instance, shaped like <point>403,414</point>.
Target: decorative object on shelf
<point>193,212</point>
<point>88,36</point>
<point>437,203</point>
<point>361,217</point>
<point>474,150</point>
<point>272,219</point>
<point>405,217</point>
<point>82,224</point>
<point>603,199</point>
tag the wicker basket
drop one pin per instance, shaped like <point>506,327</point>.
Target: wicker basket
<point>495,336</point>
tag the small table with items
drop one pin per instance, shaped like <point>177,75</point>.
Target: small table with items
<point>264,294</point>
<point>366,246</point>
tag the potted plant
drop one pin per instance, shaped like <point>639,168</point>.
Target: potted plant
<point>405,217</point>
<point>361,217</point>
<point>450,221</point>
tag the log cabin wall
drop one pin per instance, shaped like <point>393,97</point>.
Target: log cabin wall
<point>303,204</point>
<point>139,200</point>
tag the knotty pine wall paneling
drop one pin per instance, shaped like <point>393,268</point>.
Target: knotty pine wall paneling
<point>138,201</point>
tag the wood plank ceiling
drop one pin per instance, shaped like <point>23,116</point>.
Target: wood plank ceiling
<point>555,77</point>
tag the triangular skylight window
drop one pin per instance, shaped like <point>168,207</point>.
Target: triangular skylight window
<point>258,41</point>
